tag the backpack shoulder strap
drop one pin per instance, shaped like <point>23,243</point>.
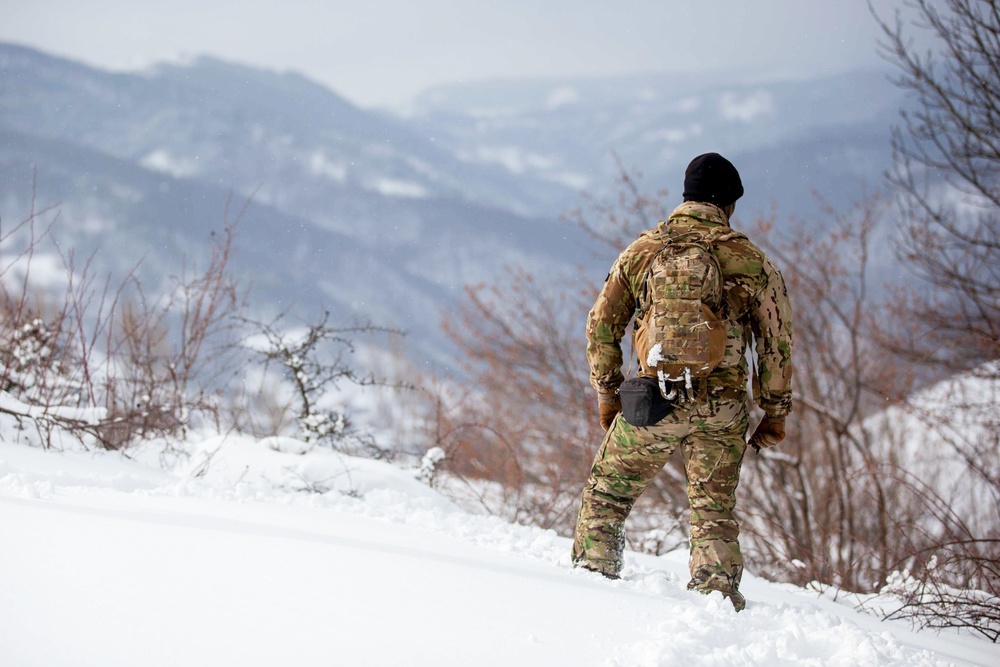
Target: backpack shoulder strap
<point>642,302</point>
<point>720,234</point>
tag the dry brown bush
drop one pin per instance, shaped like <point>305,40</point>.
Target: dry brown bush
<point>528,422</point>
<point>104,365</point>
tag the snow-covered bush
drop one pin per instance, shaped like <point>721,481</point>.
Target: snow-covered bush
<point>137,367</point>
<point>313,360</point>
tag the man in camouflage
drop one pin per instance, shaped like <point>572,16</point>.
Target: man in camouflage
<point>711,429</point>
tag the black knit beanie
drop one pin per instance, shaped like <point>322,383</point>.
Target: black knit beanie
<point>712,178</point>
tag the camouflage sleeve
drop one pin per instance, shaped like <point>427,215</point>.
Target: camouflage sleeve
<point>606,326</point>
<point>771,323</point>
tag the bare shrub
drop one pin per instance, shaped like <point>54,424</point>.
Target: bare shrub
<point>946,173</point>
<point>876,488</point>
<point>106,366</point>
<point>166,357</point>
<point>827,505</point>
<point>527,428</point>
<point>314,361</point>
<point>953,587</point>
<point>525,423</point>
<point>35,361</point>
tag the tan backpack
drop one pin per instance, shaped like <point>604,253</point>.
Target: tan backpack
<point>680,333</point>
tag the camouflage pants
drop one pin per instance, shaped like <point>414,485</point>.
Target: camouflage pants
<point>711,435</point>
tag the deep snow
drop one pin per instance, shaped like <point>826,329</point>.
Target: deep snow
<point>252,553</point>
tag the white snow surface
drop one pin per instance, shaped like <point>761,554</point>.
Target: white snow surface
<point>262,552</point>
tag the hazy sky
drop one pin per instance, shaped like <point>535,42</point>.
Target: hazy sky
<point>381,52</point>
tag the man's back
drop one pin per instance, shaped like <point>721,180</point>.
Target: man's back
<point>754,303</point>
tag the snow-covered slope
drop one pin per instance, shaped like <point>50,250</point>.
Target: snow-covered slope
<point>945,436</point>
<point>250,552</point>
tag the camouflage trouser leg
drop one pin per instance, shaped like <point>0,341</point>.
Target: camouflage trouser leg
<point>626,463</point>
<point>711,435</point>
<point>712,460</point>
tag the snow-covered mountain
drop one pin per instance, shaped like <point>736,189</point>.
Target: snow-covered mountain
<point>238,127</point>
<point>352,211</point>
<point>387,217</point>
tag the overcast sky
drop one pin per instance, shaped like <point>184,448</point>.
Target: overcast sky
<point>382,52</point>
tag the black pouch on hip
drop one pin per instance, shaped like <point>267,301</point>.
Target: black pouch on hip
<point>642,402</point>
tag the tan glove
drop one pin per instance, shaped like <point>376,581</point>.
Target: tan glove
<point>769,432</point>
<point>608,407</point>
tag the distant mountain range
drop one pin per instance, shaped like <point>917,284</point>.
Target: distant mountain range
<point>790,139</point>
<point>388,217</point>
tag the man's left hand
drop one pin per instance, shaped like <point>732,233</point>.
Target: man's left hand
<point>608,407</point>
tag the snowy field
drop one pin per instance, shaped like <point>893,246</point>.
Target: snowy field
<point>251,553</point>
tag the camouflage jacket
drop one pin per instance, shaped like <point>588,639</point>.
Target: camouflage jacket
<point>756,307</point>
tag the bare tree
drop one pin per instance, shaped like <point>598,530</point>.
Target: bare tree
<point>947,170</point>
<point>616,222</point>
<point>829,504</point>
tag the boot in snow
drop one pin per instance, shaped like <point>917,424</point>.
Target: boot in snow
<point>706,583</point>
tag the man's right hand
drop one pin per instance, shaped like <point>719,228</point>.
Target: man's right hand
<point>608,407</point>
